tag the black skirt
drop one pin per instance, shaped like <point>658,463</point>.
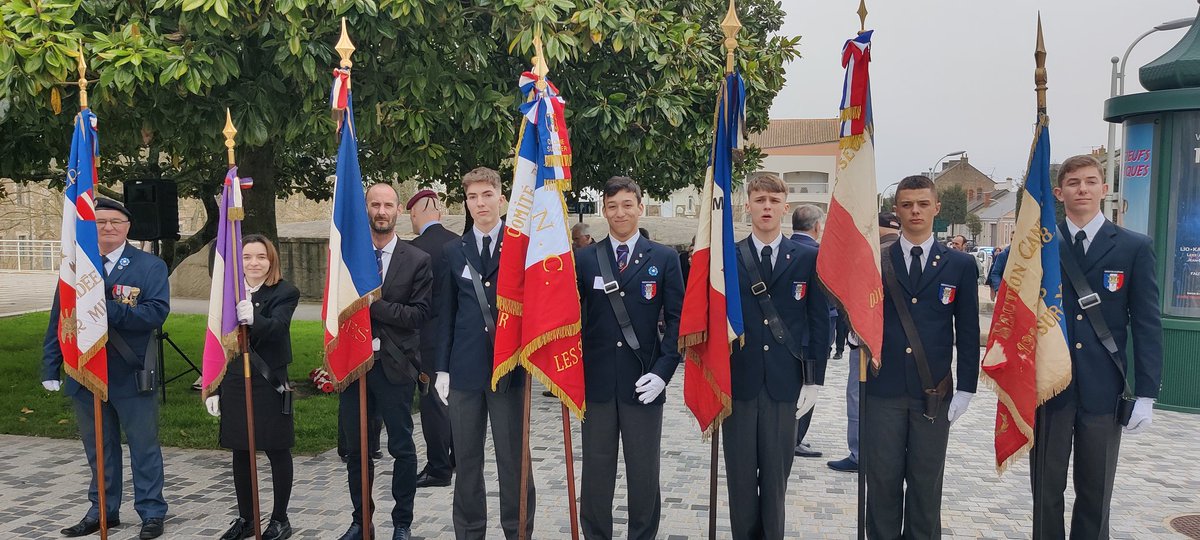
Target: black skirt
<point>273,430</point>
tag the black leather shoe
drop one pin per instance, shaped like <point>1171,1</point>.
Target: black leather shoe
<point>278,530</point>
<point>238,530</point>
<point>402,533</point>
<point>355,532</point>
<point>804,450</point>
<point>87,526</point>
<point>846,464</point>
<point>378,454</point>
<point>151,528</point>
<point>425,480</point>
<point>837,355</point>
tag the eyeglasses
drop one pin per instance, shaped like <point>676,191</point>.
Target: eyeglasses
<point>102,223</point>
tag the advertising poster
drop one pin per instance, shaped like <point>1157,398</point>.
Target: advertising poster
<point>1182,291</point>
<point>1136,174</point>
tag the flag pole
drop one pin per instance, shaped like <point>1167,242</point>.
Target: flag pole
<point>345,48</point>
<point>570,454</point>
<point>97,410</point>
<point>239,294</point>
<point>1038,465</point>
<point>863,361</point>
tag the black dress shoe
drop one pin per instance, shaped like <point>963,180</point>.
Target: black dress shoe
<point>278,530</point>
<point>151,528</point>
<point>425,480</point>
<point>837,355</point>
<point>87,526</point>
<point>402,533</point>
<point>238,530</point>
<point>804,450</point>
<point>846,464</point>
<point>355,532</point>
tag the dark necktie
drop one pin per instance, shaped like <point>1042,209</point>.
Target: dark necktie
<point>914,266</point>
<point>485,254</point>
<point>765,261</point>
<point>379,261</point>
<point>622,257</point>
<point>1077,246</point>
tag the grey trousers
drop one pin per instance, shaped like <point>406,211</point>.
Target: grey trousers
<point>639,428</point>
<point>759,440</point>
<point>1097,441</point>
<point>852,398</point>
<point>469,414</point>
<point>905,459</point>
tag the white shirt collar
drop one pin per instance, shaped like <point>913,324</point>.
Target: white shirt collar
<point>493,234</point>
<point>774,244</point>
<point>631,242</point>
<point>390,247</point>
<point>1092,228</point>
<point>906,246</point>
<point>426,226</point>
<point>110,260</point>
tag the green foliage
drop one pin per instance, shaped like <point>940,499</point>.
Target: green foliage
<point>182,420</point>
<point>434,87</point>
<point>954,205</point>
<point>974,226</point>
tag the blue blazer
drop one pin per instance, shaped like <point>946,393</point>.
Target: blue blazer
<point>996,274</point>
<point>465,348</point>
<point>945,306</point>
<point>136,324</point>
<point>651,286</point>
<point>1119,266</point>
<point>800,301</point>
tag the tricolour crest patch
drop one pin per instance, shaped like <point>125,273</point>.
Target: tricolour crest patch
<point>946,293</point>
<point>1114,280</point>
<point>649,290</point>
<point>799,289</point>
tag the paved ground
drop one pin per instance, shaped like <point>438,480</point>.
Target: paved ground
<point>41,483</point>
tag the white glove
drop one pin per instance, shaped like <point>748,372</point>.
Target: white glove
<point>213,404</point>
<point>959,404</point>
<point>648,387</point>
<point>808,399</point>
<point>245,312</point>
<point>442,385</point>
<point>52,385</point>
<point>1143,415</point>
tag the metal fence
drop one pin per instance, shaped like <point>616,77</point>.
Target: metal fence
<point>30,255</point>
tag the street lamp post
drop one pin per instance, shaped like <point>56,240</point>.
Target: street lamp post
<point>883,195</point>
<point>1117,88</point>
<point>933,169</point>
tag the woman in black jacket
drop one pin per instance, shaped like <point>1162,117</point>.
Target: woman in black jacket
<point>268,312</point>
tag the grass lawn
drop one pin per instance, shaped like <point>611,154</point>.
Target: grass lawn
<point>27,409</point>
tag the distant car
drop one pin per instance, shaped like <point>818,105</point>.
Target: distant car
<point>990,250</point>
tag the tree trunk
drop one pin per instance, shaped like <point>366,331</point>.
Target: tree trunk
<point>259,164</point>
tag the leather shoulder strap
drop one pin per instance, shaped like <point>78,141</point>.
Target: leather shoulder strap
<point>612,290</point>
<point>1089,302</point>
<point>758,288</point>
<point>910,327</point>
<point>481,297</point>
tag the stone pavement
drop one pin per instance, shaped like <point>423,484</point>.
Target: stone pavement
<point>42,483</point>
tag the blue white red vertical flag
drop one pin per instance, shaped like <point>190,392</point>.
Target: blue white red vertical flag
<point>537,267</point>
<point>82,307</point>
<point>849,261</point>
<point>712,306</point>
<point>353,280</point>
<point>1027,360</point>
<point>220,337</point>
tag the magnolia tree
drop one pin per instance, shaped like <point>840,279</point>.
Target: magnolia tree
<point>434,87</point>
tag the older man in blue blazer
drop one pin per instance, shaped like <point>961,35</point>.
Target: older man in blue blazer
<point>907,417</point>
<point>138,302</point>
<point>806,229</point>
<point>627,283</point>
<point>777,369</point>
<point>1119,268</point>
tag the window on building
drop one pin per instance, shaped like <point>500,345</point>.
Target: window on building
<point>807,181</point>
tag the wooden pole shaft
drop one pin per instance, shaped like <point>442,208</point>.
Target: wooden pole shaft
<point>363,456</point>
<point>244,338</point>
<point>863,360</point>
<point>523,506</point>
<point>570,454</point>
<point>712,483</point>
<point>98,426</point>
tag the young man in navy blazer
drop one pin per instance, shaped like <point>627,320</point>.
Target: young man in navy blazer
<point>775,381</point>
<point>1119,267</point>
<point>624,380</point>
<point>138,294</point>
<point>904,448</point>
<point>464,368</point>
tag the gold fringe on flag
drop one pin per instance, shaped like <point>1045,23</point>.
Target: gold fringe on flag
<point>510,306</point>
<point>343,316</point>
<point>521,357</point>
<point>850,113</point>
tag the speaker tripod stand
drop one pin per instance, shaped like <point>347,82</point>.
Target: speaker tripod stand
<point>161,337</point>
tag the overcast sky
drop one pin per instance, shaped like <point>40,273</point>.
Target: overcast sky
<point>951,75</point>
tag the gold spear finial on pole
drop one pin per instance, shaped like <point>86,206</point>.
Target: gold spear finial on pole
<point>862,16</point>
<point>1039,73</point>
<point>730,26</point>
<point>344,47</point>
<point>83,82</point>
<point>540,67</point>
<point>229,133</point>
